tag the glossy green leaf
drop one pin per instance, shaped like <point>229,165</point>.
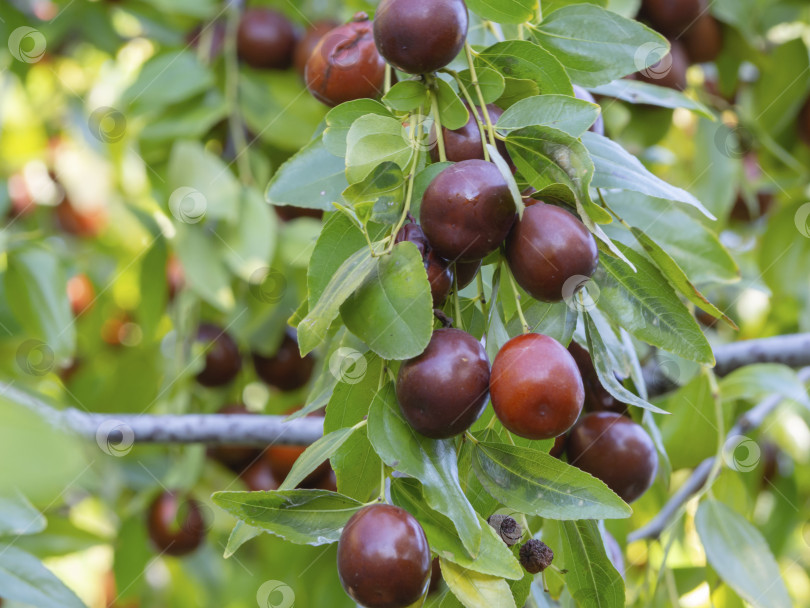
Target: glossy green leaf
<point>431,461</point>
<point>18,516</point>
<point>494,559</point>
<point>491,83</point>
<point>204,266</point>
<point>474,589</point>
<point>373,139</point>
<point>168,78</point>
<point>515,90</point>
<point>524,60</point>
<point>251,239</point>
<point>23,578</point>
<point>741,556</point>
<point>200,185</point>
<point>645,304</point>
<point>338,240</point>
<point>406,96</point>
<point>392,311</point>
<point>240,534</point>
<point>516,11</point>
<point>779,94</point>
<point>315,454</point>
<point>637,92</point>
<point>568,114</point>
<point>380,196</point>
<point>454,114</point>
<point>596,45</point>
<point>304,517</point>
<point>532,482</point>
<point>340,119</point>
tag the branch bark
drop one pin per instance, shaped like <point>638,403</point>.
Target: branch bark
<point>749,421</point>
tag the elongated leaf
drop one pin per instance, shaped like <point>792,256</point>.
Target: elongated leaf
<point>204,266</point>
<point>474,589</point>
<point>392,311</point>
<point>351,274</point>
<point>597,45</point>
<point>756,381</point>
<point>23,578</point>
<point>240,534</point>
<point>516,11</point>
<point>304,517</point>
<point>315,454</point>
<point>252,239</point>
<point>635,91</point>
<point>495,557</point>
<point>200,184</point>
<point>168,78</point>
<point>568,114</point>
<point>524,60</point>
<point>645,305</point>
<point>431,461</point>
<point>18,516</point>
<point>531,481</point>
<point>740,555</point>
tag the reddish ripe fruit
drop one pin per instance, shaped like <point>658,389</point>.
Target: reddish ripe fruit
<point>444,390</point>
<point>345,64</point>
<point>175,524</point>
<point>85,223</point>
<point>671,17</point>
<point>420,36</point>
<point>222,360</point>
<point>584,95</point>
<point>536,388</point>
<point>558,449</point>
<point>551,253</point>
<point>283,457</point>
<point>467,211</point>
<point>266,39</point>
<point>466,272</point>
<point>465,143</point>
<point>308,42</point>
<point>670,71</point>
<point>703,40</point>
<point>81,293</point>
<point>287,370</point>
<point>616,450</point>
<point>235,457</point>
<point>383,558</point>
<point>439,274</point>
<point>258,477</point>
<point>597,399</point>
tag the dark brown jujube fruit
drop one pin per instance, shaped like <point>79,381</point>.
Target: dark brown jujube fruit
<point>175,524</point>
<point>585,95</point>
<point>345,64</point>
<point>420,36</point>
<point>671,17</point>
<point>548,252</point>
<point>466,272</point>
<point>258,477</point>
<point>467,211</point>
<point>286,370</point>
<point>439,274</point>
<point>616,450</point>
<point>670,71</point>
<point>222,361</point>
<point>444,390</point>
<point>235,457</point>
<point>435,575</point>
<point>308,42</point>
<point>465,143</point>
<point>536,389</point>
<point>266,39</point>
<point>383,557</point>
<point>291,212</point>
<point>703,41</point>
<point>535,556</point>
<point>597,398</point>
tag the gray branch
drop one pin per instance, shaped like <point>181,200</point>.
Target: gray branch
<point>749,421</point>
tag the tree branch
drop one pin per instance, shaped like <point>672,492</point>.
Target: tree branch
<point>749,421</point>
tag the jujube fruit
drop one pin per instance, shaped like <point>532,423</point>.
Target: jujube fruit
<point>383,557</point>
<point>671,17</point>
<point>266,39</point>
<point>345,64</point>
<point>535,556</point>
<point>435,575</point>
<point>536,389</point>
<point>466,272</point>
<point>439,274</point>
<point>548,247</point>
<point>282,458</point>
<point>616,450</point>
<point>465,143</point>
<point>81,293</point>
<point>258,477</point>
<point>467,211</point>
<point>420,36</point>
<point>703,41</point>
<point>84,222</point>
<point>286,370</point>
<point>585,95</point>
<point>175,524</point>
<point>670,71</point>
<point>307,43</point>
<point>444,390</point>
<point>597,398</point>
<point>222,360</point>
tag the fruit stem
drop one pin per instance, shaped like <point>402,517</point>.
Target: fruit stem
<point>387,85</point>
<point>457,302</point>
<point>235,123</point>
<point>437,120</point>
<point>416,123</point>
<point>515,291</point>
<point>474,76</point>
<point>470,437</point>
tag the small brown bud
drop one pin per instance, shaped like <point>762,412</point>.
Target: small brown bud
<point>535,556</point>
<point>506,527</point>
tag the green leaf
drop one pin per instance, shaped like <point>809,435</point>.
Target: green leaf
<point>491,83</point>
<point>374,139</point>
<point>18,516</point>
<point>524,60</point>
<point>303,517</point>
<point>24,579</point>
<point>251,241</point>
<point>340,119</point>
<point>637,92</point>
<point>516,11</point>
<point>741,556</point>
<point>312,178</point>
<point>532,482</point>
<point>605,371</point>
<point>494,559</point>
<point>454,114</point>
<point>314,456</point>
<point>349,276</point>
<point>474,589</point>
<point>168,78</point>
<point>568,114</point>
<point>201,185</point>
<point>615,167</point>
<point>380,196</point>
<point>597,45</point>
<point>35,287</point>
<point>203,266</point>
<point>431,461</point>
<point>516,89</point>
<point>191,119</point>
<point>645,305</point>
<point>356,464</point>
<point>591,579</point>
<point>338,240</point>
<point>778,94</point>
<point>240,534</point>
<point>754,382</point>
<point>406,96</point>
<point>392,311</point>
